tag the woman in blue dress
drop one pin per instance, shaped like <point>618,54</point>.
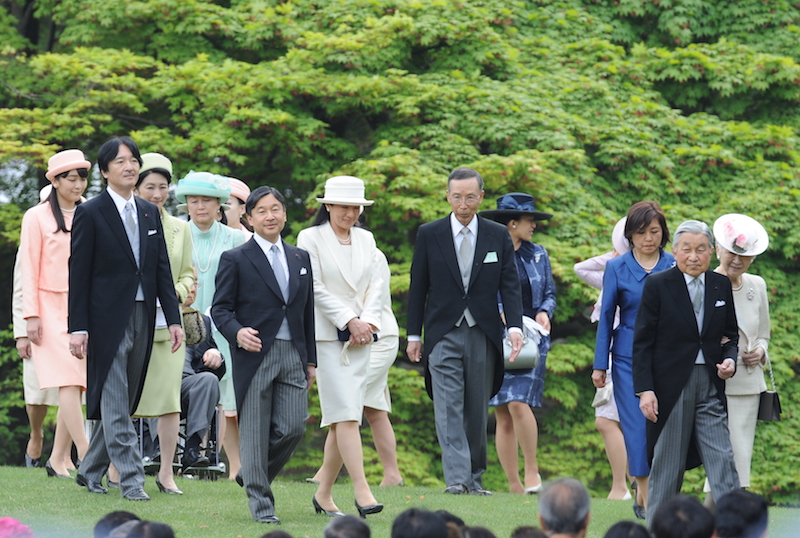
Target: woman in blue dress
<point>522,389</point>
<point>623,282</point>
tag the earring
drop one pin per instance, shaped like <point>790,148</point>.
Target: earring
<point>513,225</point>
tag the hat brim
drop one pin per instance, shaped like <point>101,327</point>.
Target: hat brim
<point>505,215</point>
<point>181,192</point>
<point>346,201</point>
<point>66,167</point>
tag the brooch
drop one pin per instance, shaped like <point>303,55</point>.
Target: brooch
<point>751,294</point>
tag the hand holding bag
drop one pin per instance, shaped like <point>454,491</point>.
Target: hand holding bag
<point>769,408</point>
<point>529,354</point>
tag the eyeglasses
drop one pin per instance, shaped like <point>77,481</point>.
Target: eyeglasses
<point>469,200</point>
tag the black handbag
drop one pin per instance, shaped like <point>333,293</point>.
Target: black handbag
<point>769,407</point>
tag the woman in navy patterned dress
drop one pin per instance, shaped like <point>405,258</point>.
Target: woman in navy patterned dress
<point>522,389</point>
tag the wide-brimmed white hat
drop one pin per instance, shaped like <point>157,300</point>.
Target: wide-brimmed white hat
<point>740,234</point>
<point>344,190</point>
<point>618,239</point>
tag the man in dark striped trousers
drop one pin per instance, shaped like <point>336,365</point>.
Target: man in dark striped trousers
<point>684,347</point>
<point>264,306</point>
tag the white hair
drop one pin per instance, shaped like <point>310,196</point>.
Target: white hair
<point>693,227</point>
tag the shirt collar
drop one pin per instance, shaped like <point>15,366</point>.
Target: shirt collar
<point>267,245</point>
<point>456,226</point>
<point>119,201</point>
<point>689,278</point>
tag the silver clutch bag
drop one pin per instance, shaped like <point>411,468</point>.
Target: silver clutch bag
<point>528,356</point>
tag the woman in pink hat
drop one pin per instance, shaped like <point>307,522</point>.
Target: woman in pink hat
<point>235,215</point>
<point>45,251</point>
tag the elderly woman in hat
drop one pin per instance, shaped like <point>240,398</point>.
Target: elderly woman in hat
<point>623,281</point>
<point>347,303</point>
<point>161,394</point>
<point>45,251</point>
<point>522,389</point>
<point>237,200</point>
<point>739,240</point>
<point>606,414</point>
<point>203,195</point>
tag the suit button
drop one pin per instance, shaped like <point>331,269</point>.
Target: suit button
<point>283,307</point>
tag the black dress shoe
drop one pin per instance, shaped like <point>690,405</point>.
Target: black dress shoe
<point>92,486</point>
<point>193,458</point>
<point>319,509</point>
<point>52,472</point>
<point>137,495</point>
<point>239,480</point>
<point>269,519</point>
<point>32,462</point>
<point>456,489</point>
<point>364,511</point>
<point>480,491</point>
<point>639,511</point>
<point>113,484</point>
<point>166,490</point>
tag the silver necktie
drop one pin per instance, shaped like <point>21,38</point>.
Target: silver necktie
<point>280,274</point>
<point>465,251</point>
<point>697,296</point>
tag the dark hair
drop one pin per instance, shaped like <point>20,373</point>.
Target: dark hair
<point>151,529</point>
<point>348,526</point>
<point>109,151</point>
<point>146,173</point>
<point>465,173</point>
<point>323,216</point>
<point>627,529</point>
<point>260,193</point>
<point>640,215</point>
<point>564,506</point>
<point>741,514</point>
<point>478,532</point>
<point>61,226</point>
<point>276,534</point>
<point>419,523</point>
<point>450,517</point>
<point>528,532</point>
<point>682,517</point>
<point>111,521</point>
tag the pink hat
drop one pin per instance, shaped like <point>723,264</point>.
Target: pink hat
<point>64,161</point>
<point>239,189</point>
<point>621,244</point>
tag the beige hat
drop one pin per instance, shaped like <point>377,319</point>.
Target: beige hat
<point>344,190</point>
<point>64,161</point>
<point>155,160</point>
<point>740,234</point>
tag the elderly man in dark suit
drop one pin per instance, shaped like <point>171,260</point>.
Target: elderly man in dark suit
<point>264,306</point>
<point>118,266</point>
<point>460,264</point>
<point>684,348</point>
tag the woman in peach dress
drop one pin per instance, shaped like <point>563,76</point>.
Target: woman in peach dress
<point>45,251</point>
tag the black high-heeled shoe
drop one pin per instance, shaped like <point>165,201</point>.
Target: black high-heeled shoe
<point>52,472</point>
<point>320,510</point>
<point>164,489</point>
<point>363,511</point>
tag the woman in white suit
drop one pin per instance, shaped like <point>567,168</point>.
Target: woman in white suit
<point>347,305</point>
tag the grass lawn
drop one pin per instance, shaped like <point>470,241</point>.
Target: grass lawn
<point>59,508</point>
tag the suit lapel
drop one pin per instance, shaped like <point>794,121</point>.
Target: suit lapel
<point>329,239</point>
<point>259,260</point>
<point>444,237</point>
<point>710,299</point>
<point>681,297</point>
<point>109,211</point>
<point>143,229</point>
<point>295,264</point>
<point>481,249</point>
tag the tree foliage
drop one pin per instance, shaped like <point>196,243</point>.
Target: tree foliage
<point>588,104</point>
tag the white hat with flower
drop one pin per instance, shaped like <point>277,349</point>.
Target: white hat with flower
<point>740,234</point>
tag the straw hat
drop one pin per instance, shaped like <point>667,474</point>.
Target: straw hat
<point>151,161</point>
<point>203,184</point>
<point>740,234</point>
<point>512,205</point>
<point>344,190</point>
<point>64,161</point>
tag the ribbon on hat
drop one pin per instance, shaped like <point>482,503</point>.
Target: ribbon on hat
<point>510,203</point>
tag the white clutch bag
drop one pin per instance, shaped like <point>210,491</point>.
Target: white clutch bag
<point>529,354</point>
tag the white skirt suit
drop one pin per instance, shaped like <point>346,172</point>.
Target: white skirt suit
<point>384,351</point>
<point>347,284</point>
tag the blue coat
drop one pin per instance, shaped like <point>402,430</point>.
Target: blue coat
<point>623,282</point>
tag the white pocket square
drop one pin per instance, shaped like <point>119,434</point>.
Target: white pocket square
<point>491,257</point>
<point>719,303</point>
<point>303,271</point>
<point>151,232</point>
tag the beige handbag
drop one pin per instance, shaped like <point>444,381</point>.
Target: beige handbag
<point>194,328</point>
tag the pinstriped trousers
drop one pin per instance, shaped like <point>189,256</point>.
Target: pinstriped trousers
<point>271,423</point>
<point>114,438</point>
<point>462,371</point>
<point>697,413</point>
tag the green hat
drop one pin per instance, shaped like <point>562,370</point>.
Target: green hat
<point>203,184</point>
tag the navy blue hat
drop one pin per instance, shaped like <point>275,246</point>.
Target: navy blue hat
<point>514,204</point>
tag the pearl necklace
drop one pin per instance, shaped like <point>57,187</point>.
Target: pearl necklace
<point>213,247</point>
<point>646,269</point>
<point>344,241</point>
<point>69,210</point>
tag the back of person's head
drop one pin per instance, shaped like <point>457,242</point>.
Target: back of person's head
<point>682,517</point>
<point>527,531</point>
<point>741,514</point>
<point>450,517</point>
<point>419,523</point>
<point>478,532</point>
<point>276,534</point>
<point>627,529</point>
<point>564,507</point>
<point>111,521</point>
<point>151,529</point>
<point>348,526</point>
